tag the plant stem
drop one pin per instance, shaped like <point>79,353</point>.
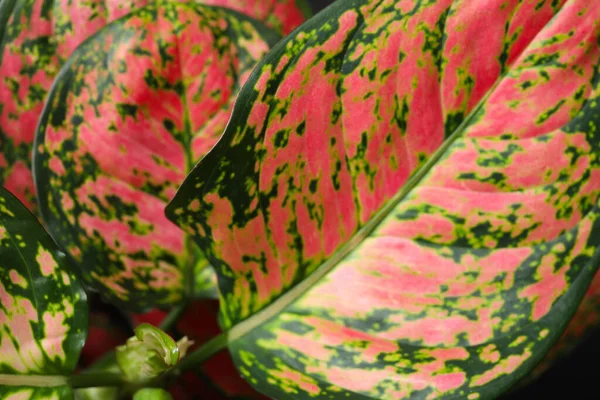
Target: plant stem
<point>171,318</point>
<point>32,380</point>
<point>189,274</point>
<point>106,361</point>
<point>197,357</point>
<point>96,379</point>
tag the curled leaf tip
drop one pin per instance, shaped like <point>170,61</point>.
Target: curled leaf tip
<point>184,344</point>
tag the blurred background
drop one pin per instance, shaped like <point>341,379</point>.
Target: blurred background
<point>573,377</point>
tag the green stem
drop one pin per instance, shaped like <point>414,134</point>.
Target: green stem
<point>106,361</point>
<point>172,317</point>
<point>96,379</point>
<point>92,377</point>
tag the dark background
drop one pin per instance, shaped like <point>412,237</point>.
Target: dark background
<point>574,377</point>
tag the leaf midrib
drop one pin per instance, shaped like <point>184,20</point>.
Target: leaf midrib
<point>33,380</point>
<point>189,261</point>
<point>273,309</point>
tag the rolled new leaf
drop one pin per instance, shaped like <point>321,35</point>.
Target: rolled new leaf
<point>150,353</point>
<point>36,39</point>
<point>129,115</point>
<point>43,317</point>
<point>405,202</point>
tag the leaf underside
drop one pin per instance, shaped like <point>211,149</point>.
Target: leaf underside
<point>130,113</point>
<point>43,316</point>
<point>405,202</point>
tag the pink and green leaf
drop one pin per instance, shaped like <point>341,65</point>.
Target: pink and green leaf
<point>38,36</point>
<point>405,201</point>
<point>43,311</point>
<point>128,116</point>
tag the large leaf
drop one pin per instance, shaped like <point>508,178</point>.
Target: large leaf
<point>38,36</point>
<point>43,311</point>
<point>404,204</point>
<point>130,113</point>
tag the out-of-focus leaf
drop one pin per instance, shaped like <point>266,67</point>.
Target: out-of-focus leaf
<point>131,112</point>
<point>38,36</point>
<point>281,15</point>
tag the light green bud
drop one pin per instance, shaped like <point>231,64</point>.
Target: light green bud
<point>149,353</point>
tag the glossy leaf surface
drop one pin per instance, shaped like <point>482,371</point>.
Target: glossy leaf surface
<point>128,116</point>
<point>38,36</point>
<point>43,316</point>
<point>404,204</point>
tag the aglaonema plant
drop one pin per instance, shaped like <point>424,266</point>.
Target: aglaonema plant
<point>400,206</point>
<point>128,116</point>
<point>405,201</point>
<point>36,39</point>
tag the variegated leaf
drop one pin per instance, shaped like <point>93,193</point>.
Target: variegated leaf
<point>38,36</point>
<point>43,311</point>
<point>130,113</point>
<point>405,202</point>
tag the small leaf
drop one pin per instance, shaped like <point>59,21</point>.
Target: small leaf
<point>131,112</point>
<point>405,201</point>
<point>43,317</point>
